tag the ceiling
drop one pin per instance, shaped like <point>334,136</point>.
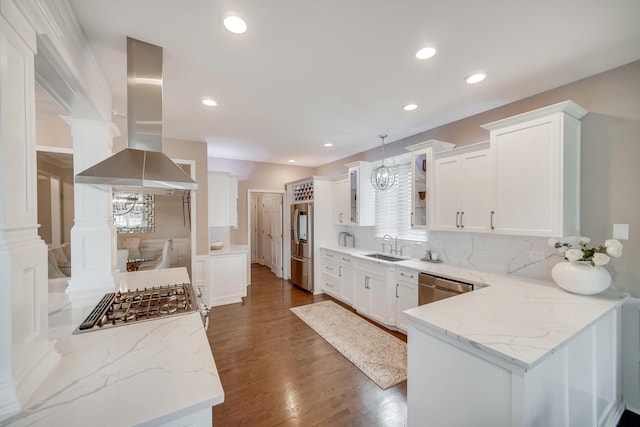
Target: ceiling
<point>311,72</point>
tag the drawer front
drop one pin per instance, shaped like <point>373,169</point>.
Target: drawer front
<point>331,284</point>
<point>336,256</point>
<point>407,275</point>
<point>330,267</point>
<point>330,255</point>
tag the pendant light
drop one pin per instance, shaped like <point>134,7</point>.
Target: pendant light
<point>383,177</point>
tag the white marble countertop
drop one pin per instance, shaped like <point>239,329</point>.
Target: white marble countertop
<point>144,373</point>
<point>231,249</point>
<point>518,319</point>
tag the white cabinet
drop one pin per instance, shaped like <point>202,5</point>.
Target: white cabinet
<point>462,189</point>
<point>406,295</point>
<point>422,180</point>
<point>536,171</point>
<point>341,212</point>
<point>227,278</point>
<point>373,295</point>
<point>361,195</point>
<point>337,275</point>
<point>577,384</point>
<point>222,194</point>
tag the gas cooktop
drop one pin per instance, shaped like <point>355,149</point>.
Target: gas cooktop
<point>124,308</point>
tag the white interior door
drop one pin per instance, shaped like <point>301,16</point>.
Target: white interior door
<point>275,215</point>
<point>254,228</point>
<point>265,234</point>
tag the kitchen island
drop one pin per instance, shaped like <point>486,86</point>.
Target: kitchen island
<point>158,372</point>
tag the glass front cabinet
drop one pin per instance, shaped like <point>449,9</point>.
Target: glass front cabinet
<point>422,180</point>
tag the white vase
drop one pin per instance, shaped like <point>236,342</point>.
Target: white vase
<point>581,277</point>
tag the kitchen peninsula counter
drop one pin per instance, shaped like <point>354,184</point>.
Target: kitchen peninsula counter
<point>517,352</point>
<point>147,373</point>
<point>517,319</point>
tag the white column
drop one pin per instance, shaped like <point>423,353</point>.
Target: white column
<point>26,354</point>
<point>93,237</point>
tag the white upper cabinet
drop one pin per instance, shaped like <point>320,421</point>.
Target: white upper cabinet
<point>462,189</point>
<point>341,212</point>
<point>535,160</point>
<point>222,200</point>
<point>422,177</point>
<point>361,195</point>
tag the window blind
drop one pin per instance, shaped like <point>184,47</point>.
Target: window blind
<point>393,206</point>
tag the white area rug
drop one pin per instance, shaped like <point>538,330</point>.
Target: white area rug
<point>381,356</point>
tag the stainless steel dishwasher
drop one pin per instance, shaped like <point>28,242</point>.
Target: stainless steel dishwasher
<point>434,288</point>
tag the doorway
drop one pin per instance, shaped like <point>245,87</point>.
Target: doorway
<point>265,236</point>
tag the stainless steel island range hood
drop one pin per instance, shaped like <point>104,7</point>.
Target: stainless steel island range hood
<point>142,167</point>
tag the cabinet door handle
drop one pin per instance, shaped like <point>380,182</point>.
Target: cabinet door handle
<point>327,284</point>
<point>346,259</point>
<point>491,220</point>
<point>330,255</point>
<point>397,290</point>
<point>412,224</point>
<point>340,271</point>
<point>462,219</point>
<point>328,268</point>
<point>366,282</point>
<point>407,275</point>
<point>340,217</point>
<point>457,219</point>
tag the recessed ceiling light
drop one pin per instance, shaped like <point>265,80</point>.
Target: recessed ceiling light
<point>291,161</point>
<point>410,107</point>
<point>426,53</point>
<point>476,77</point>
<point>328,144</point>
<point>235,24</point>
<point>209,102</point>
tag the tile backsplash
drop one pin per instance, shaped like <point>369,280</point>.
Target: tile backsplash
<point>521,256</point>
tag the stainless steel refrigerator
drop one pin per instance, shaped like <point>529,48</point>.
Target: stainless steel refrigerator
<point>302,245</point>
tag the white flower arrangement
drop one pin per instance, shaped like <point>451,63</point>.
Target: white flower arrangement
<point>595,256</point>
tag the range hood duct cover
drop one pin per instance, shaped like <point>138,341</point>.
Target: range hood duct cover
<point>142,167</point>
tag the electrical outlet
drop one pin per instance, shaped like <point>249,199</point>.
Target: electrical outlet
<point>536,255</point>
<point>621,231</point>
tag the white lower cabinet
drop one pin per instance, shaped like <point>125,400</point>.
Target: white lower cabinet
<point>406,295</point>
<point>227,278</point>
<point>373,297</point>
<point>337,275</point>
<point>578,384</point>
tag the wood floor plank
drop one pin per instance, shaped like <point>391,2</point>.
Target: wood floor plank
<point>276,371</point>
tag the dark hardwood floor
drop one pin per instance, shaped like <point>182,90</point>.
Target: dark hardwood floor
<point>275,370</point>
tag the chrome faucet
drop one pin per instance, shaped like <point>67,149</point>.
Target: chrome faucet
<point>384,239</point>
<point>394,249</point>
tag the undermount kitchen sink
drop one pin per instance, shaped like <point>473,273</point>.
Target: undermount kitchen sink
<point>385,257</point>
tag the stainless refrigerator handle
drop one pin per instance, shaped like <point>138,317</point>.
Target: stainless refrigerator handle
<point>296,224</point>
<point>298,259</point>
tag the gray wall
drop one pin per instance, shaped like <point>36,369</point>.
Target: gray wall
<point>610,156</point>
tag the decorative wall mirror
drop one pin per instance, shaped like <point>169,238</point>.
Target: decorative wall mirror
<point>133,212</point>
